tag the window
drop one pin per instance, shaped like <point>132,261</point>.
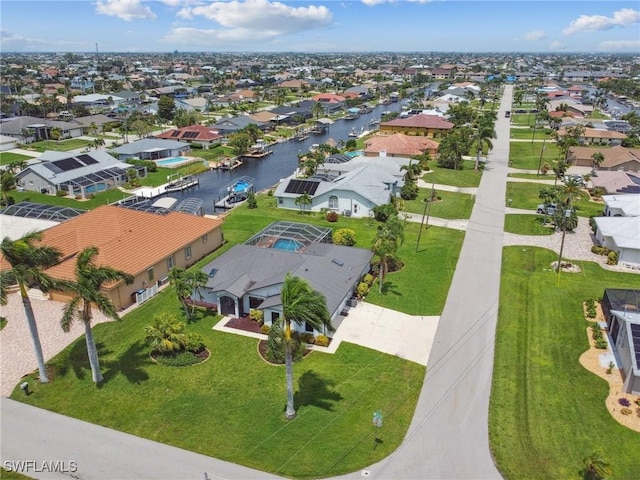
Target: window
<point>205,238</point>
<point>150,275</point>
<point>171,262</point>
<point>187,253</point>
<point>280,201</point>
<point>333,202</point>
<point>307,327</point>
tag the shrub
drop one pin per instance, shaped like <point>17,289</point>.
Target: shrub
<point>612,258</point>
<point>591,308</point>
<point>197,146</point>
<point>61,193</point>
<point>322,341</point>
<point>600,250</point>
<point>601,344</point>
<point>308,337</point>
<point>256,315</point>
<point>368,279</point>
<point>344,236</point>
<point>409,191</point>
<point>383,212</point>
<point>265,329</point>
<point>626,411</point>
<point>181,359</point>
<point>194,342</point>
<point>270,193</point>
<point>610,368</point>
<point>362,290</point>
<point>151,166</point>
<point>251,201</point>
<point>624,402</point>
<point>332,217</point>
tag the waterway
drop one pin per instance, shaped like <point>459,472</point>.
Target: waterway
<point>268,171</point>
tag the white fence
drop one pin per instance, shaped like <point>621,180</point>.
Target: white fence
<point>146,294</point>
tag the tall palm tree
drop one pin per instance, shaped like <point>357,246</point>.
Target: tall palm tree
<point>27,264</point>
<point>89,278</point>
<point>186,283</point>
<point>317,110</point>
<point>301,305</point>
<point>386,242</point>
<point>484,133</point>
<point>598,158</point>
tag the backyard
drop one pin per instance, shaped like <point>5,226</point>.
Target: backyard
<point>547,412</point>
<point>235,398</point>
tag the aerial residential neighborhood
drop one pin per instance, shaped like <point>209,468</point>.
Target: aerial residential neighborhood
<point>316,262</point>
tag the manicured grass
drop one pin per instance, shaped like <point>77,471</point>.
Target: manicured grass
<point>11,475</point>
<point>62,145</point>
<point>525,195</point>
<point>449,205</point>
<point>232,406</point>
<point>533,176</point>
<point>526,224</point>
<point>467,177</point>
<point>3,322</point>
<point>405,291</point>
<point>547,412</point>
<point>527,134</point>
<point>102,198</point>
<point>526,155</point>
<point>522,118</point>
<point>7,157</point>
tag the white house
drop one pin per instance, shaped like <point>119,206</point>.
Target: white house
<point>622,235</point>
<point>625,205</point>
<point>352,188</point>
<point>621,310</point>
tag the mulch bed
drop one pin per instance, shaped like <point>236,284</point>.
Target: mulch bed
<point>245,324</point>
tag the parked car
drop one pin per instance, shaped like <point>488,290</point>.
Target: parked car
<point>507,114</point>
<point>546,208</point>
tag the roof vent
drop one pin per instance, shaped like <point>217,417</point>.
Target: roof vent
<point>338,262</point>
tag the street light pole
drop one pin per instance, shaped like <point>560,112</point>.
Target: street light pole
<point>544,141</point>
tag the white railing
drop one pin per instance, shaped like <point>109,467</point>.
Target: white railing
<point>145,295</point>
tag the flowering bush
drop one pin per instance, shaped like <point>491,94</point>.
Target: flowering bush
<point>624,402</point>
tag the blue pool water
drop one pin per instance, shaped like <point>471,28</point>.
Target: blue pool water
<point>356,153</point>
<point>171,161</point>
<point>241,187</point>
<point>287,244</point>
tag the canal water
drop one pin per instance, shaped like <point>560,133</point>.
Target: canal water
<point>268,171</point>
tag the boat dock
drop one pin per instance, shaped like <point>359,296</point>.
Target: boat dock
<point>182,183</point>
<point>234,193</point>
<point>230,164</point>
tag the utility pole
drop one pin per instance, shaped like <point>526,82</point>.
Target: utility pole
<point>425,213</point>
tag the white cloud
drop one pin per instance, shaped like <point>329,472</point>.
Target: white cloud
<point>534,35</point>
<point>594,23</point>
<point>17,42</point>
<point>556,45</point>
<point>180,3</point>
<point>125,9</point>
<point>619,46</point>
<point>372,3</point>
<point>255,19</point>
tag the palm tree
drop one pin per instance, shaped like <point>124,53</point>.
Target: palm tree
<point>385,244</point>
<point>483,135</point>
<point>301,305</point>
<point>303,200</point>
<point>186,283</point>
<point>596,467</point>
<point>166,335</point>
<point>598,158</point>
<point>89,279</point>
<point>317,110</point>
<point>27,264</point>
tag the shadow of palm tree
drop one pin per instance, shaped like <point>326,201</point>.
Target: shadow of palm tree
<point>79,358</point>
<point>389,287</point>
<point>132,364</point>
<point>315,391</point>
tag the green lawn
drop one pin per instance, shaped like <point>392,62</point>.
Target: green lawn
<point>547,412</point>
<point>525,195</point>
<point>527,134</point>
<point>533,176</point>
<point>231,406</point>
<point>467,177</point>
<point>102,198</point>
<point>522,118</point>
<point>450,204</point>
<point>235,400</point>
<point>8,157</point>
<point>11,475</point>
<point>62,145</point>
<point>526,155</point>
<point>526,224</point>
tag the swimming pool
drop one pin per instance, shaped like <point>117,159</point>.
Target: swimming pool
<point>356,153</point>
<point>174,162</point>
<point>287,244</point>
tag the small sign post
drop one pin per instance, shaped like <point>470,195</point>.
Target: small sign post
<point>377,422</point>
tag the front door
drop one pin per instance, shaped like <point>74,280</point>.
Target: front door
<point>227,306</point>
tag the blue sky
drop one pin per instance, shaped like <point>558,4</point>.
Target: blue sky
<point>320,26</point>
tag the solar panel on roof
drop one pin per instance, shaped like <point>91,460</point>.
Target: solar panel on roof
<point>176,133</point>
<point>301,186</point>
<point>67,164</point>
<point>190,135</point>
<point>52,166</point>
<point>635,334</point>
<point>87,159</point>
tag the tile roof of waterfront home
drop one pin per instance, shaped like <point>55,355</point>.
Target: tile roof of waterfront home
<point>399,144</point>
<point>422,121</point>
<point>192,133</point>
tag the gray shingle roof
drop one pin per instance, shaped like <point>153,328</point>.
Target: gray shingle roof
<point>149,144</point>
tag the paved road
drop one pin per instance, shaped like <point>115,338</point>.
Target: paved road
<point>448,437</point>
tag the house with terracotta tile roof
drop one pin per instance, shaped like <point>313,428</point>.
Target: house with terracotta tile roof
<point>615,158</point>
<point>201,134</point>
<point>399,145</point>
<point>432,126</point>
<point>143,244</point>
